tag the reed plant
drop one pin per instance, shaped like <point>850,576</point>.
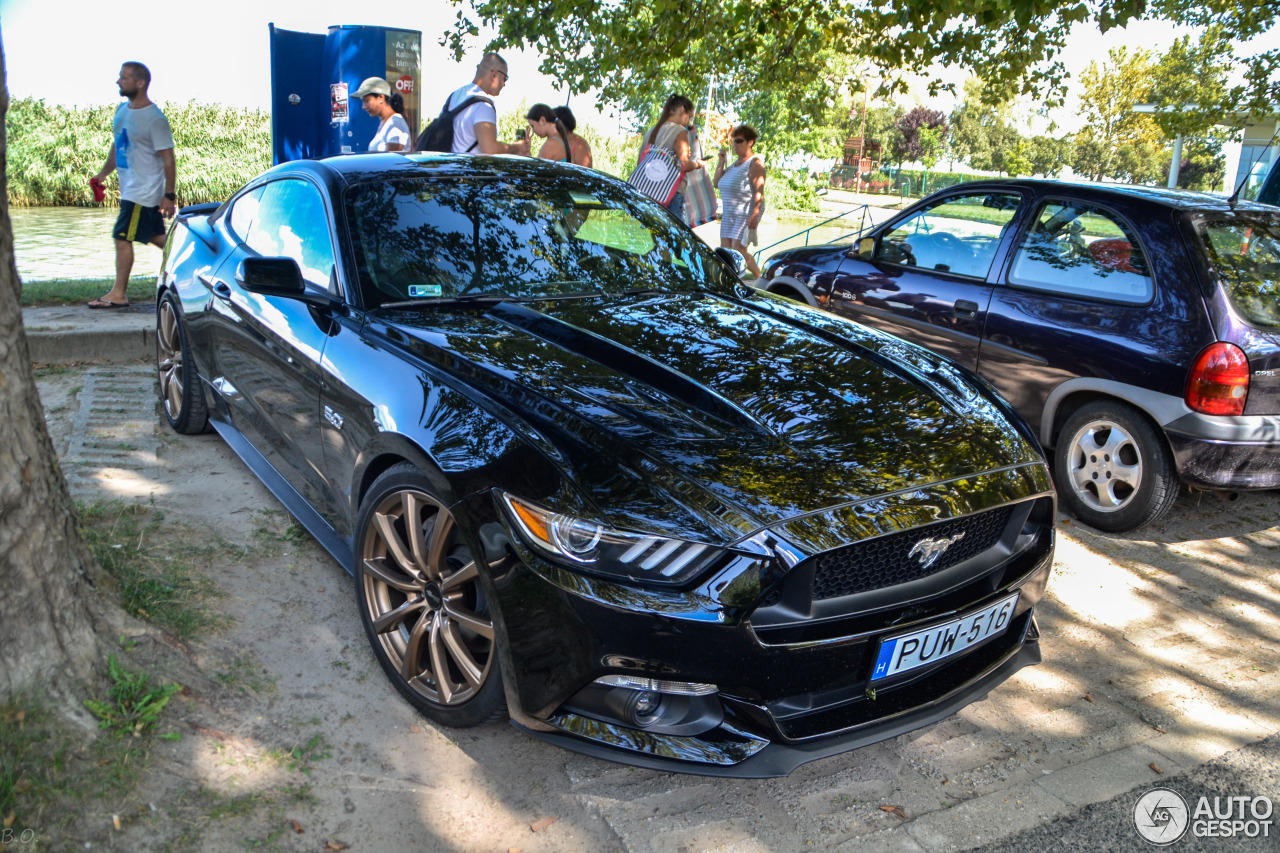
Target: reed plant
<point>54,150</point>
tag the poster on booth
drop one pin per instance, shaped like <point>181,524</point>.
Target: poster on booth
<point>404,62</point>
<point>338,103</point>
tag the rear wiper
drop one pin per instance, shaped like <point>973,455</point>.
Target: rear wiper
<point>460,299</point>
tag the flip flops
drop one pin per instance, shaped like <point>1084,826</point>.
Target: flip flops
<point>103,303</point>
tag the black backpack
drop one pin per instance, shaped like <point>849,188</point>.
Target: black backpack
<point>438,136</point>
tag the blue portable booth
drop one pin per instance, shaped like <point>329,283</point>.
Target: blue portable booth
<point>313,75</point>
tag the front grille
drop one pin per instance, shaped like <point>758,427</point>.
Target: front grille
<point>887,560</point>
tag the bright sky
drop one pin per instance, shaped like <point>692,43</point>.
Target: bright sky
<point>70,52</point>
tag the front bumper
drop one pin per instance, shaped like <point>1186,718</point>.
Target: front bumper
<point>736,753</point>
<point>1227,453</point>
<point>793,675</point>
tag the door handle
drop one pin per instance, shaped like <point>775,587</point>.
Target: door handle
<point>220,289</point>
<point>966,309</point>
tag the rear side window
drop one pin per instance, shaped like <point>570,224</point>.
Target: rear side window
<point>243,211</point>
<point>1246,254</point>
<point>959,234</point>
<point>1077,249</point>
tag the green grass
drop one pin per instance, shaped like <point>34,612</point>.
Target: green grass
<point>133,706</point>
<point>48,772</point>
<point>77,291</point>
<point>154,566</point>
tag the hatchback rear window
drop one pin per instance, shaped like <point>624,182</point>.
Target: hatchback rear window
<point>1246,253</point>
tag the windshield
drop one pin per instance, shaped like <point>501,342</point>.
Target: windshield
<point>432,238</point>
<point>1246,252</point>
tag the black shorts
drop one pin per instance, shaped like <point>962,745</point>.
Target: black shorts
<point>137,224</point>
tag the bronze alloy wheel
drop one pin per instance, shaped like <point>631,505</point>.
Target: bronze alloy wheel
<point>180,392</point>
<point>423,605</point>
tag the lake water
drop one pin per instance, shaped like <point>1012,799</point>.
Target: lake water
<point>75,242</point>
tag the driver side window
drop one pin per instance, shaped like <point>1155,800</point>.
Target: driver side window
<point>959,234</point>
<point>291,222</point>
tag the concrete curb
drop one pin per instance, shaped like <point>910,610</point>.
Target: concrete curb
<point>65,334</point>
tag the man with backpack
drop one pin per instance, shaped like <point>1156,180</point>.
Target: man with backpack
<point>470,118</point>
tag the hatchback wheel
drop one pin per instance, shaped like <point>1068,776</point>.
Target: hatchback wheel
<point>180,393</point>
<point>1113,471</point>
<point>422,603</point>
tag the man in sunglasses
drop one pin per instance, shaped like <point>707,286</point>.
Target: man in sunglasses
<point>475,126</point>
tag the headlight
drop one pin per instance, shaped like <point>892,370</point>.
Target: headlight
<point>591,546</point>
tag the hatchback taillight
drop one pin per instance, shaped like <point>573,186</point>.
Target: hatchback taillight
<point>1219,381</point>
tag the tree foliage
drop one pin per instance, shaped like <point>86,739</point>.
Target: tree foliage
<point>1241,22</point>
<point>626,48</point>
<point>982,130</point>
<point>1189,85</point>
<point>922,134</point>
<point>1116,142</point>
<point>1203,167</point>
<point>1048,156</point>
<point>817,52</point>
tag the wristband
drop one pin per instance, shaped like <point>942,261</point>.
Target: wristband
<point>171,196</point>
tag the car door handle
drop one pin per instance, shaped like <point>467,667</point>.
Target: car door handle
<point>966,309</point>
<point>220,288</point>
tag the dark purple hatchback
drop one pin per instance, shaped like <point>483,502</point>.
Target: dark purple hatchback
<point>1136,329</point>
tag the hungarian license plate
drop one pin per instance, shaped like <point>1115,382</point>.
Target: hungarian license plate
<point>906,652</point>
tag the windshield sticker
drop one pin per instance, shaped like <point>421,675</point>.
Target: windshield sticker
<point>419,290</point>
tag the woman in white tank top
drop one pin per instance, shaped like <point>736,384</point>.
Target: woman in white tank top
<point>741,194</point>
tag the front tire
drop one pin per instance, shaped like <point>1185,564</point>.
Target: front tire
<point>1113,471</point>
<point>181,396</point>
<point>422,604</point>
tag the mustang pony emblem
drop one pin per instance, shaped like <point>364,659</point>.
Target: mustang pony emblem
<point>929,550</point>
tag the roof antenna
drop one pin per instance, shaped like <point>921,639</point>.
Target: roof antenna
<point>1235,196</point>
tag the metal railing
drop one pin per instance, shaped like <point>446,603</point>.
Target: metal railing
<point>865,223</point>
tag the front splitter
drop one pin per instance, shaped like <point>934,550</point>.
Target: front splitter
<point>742,758</point>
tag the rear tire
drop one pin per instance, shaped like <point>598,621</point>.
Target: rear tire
<point>423,605</point>
<point>181,395</point>
<point>1113,471</point>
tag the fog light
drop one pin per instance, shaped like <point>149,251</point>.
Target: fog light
<point>646,703</point>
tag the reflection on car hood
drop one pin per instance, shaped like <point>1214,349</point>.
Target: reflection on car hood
<point>742,412</point>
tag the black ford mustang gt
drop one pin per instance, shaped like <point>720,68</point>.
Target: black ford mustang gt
<point>583,476</point>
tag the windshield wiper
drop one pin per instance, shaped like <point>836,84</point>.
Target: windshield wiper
<point>449,301</point>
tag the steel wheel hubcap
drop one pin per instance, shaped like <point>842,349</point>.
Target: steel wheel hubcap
<point>169,360</point>
<point>423,597</point>
<point>1105,466</point>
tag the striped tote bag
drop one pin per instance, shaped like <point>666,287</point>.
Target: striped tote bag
<point>657,175</point>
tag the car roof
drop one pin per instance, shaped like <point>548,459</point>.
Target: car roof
<point>1187,200</point>
<point>354,168</point>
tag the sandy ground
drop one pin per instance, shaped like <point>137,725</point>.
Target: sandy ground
<point>1161,652</point>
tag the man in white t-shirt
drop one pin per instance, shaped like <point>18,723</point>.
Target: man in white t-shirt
<point>475,129</point>
<point>142,154</point>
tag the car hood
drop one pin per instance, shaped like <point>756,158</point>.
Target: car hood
<point>721,412</point>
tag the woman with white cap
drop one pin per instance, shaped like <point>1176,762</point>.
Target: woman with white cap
<point>382,103</point>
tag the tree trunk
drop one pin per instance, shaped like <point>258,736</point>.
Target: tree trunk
<point>50,613</point>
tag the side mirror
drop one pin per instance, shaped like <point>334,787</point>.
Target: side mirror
<point>866,247</point>
<point>271,277</point>
<point>734,259</point>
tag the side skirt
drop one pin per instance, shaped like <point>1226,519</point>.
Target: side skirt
<point>339,548</point>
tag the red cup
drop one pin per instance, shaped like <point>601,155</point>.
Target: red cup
<point>99,191</point>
